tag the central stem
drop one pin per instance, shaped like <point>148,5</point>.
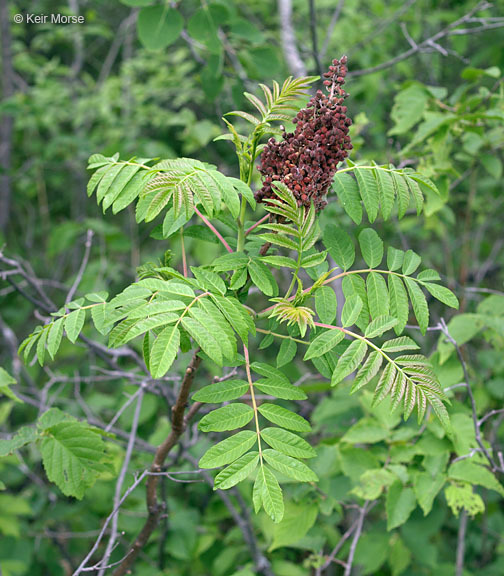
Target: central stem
<point>252,396</point>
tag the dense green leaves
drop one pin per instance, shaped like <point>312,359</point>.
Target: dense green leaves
<point>73,456</point>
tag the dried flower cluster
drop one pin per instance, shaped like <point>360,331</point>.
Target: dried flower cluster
<point>307,159</point>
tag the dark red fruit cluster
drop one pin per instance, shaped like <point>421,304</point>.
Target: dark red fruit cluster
<point>307,159</point>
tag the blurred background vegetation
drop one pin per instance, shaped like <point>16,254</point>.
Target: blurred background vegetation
<point>151,79</point>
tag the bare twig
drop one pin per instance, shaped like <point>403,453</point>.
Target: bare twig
<point>120,482</point>
<point>137,481</point>
<point>432,43</point>
<point>356,537</point>
<point>82,268</point>
<point>115,46</point>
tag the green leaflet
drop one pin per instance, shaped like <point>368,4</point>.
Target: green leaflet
<point>269,371</point>
<point>267,492</point>
<point>340,246</point>
<point>237,471</point>
<point>368,371</point>
<point>228,417</point>
<point>228,450</point>
<point>54,337</point>
<point>399,307</point>
<point>284,418</point>
<point>281,241</point>
<point>289,466</point>
<point>209,316</point>
<point>351,310</point>
<point>378,297</point>
<point>262,277</point>
<point>279,261</point>
<point>386,192</point>
<point>23,436</point>
<point>371,247</point>
<point>419,304</point>
<point>164,351</point>
<point>41,345</point>
<point>324,343</point>
<point>368,189</point>
<point>349,361</point>
<point>411,262</point>
<point>221,391</point>
<point>473,473</point>
<point>326,304</point>
<point>395,258</point>
<point>460,495</point>
<point>427,488</point>
<point>209,280</point>
<point>354,284</point>
<point>380,325</point>
<point>236,315</point>
<point>400,503</point>
<point>348,192</point>
<point>400,344</point>
<point>287,352</point>
<point>402,192</point>
<point>280,389</point>
<point>206,337</point>
<point>6,380</point>
<point>287,443</point>
<point>74,323</point>
<point>231,261</point>
<point>442,294</point>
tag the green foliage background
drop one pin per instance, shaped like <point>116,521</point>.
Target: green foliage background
<point>155,82</point>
